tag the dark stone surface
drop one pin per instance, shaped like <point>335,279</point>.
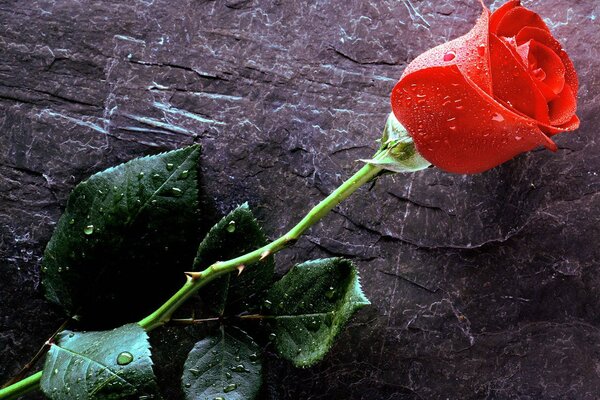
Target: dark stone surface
<point>482,286</point>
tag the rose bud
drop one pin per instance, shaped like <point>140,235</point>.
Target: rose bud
<point>502,89</point>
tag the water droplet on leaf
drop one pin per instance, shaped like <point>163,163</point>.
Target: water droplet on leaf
<point>170,166</point>
<point>231,227</point>
<point>88,230</point>
<point>230,388</point>
<point>124,358</point>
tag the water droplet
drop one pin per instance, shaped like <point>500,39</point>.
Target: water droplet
<point>452,128</point>
<point>239,368</point>
<point>124,358</point>
<point>88,230</point>
<point>185,173</point>
<point>219,398</point>
<point>170,166</point>
<point>272,336</point>
<point>498,118</point>
<point>268,304</point>
<point>517,138</point>
<point>253,357</point>
<point>481,50</point>
<point>330,292</point>
<point>230,388</point>
<point>449,56</point>
<point>188,385</point>
<point>231,227</point>
<point>228,375</point>
<point>194,371</point>
<point>72,221</point>
<point>140,175</point>
<point>55,371</point>
<point>176,191</point>
<point>156,176</point>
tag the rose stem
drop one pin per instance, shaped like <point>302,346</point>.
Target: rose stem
<point>195,280</point>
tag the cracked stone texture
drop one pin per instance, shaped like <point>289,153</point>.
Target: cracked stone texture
<point>483,287</point>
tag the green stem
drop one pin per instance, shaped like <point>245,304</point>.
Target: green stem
<point>197,280</point>
<point>21,387</point>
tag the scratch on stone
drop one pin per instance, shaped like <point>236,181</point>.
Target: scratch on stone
<point>76,121</point>
<point>415,15</point>
<point>158,124</point>
<point>129,39</point>
<point>184,113</point>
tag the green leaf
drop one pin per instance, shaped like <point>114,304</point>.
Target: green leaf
<point>233,236</point>
<point>107,365</point>
<point>225,366</point>
<point>310,305</point>
<point>127,231</point>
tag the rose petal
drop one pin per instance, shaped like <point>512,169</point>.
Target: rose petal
<point>459,127</point>
<point>513,84</point>
<point>497,15</point>
<point>563,107</point>
<point>518,18</point>
<point>470,53</point>
<point>541,36</point>
<point>550,63</point>
<point>570,125</point>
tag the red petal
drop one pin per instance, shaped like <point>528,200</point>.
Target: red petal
<point>470,53</point>
<point>550,63</point>
<point>513,84</point>
<point>541,36</point>
<point>571,125</point>
<point>457,126</point>
<point>516,19</point>
<point>563,107</point>
<point>500,13</point>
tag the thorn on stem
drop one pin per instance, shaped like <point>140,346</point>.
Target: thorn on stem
<point>264,255</point>
<point>240,268</point>
<point>192,276</point>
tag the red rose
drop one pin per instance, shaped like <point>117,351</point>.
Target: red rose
<point>500,90</point>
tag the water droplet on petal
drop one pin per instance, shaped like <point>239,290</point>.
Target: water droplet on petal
<point>124,358</point>
<point>481,50</point>
<point>498,118</point>
<point>449,56</point>
<point>88,230</point>
<point>517,138</point>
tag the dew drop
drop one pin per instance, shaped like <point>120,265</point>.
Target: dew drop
<point>185,173</point>
<point>517,138</point>
<point>449,56</point>
<point>240,368</point>
<point>72,221</point>
<point>272,336</point>
<point>253,357</point>
<point>88,230</point>
<point>330,292</point>
<point>230,388</point>
<point>231,227</point>
<point>481,50</point>
<point>176,191</point>
<point>498,118</point>
<point>219,398</point>
<point>140,175</point>
<point>452,128</point>
<point>124,358</point>
<point>170,166</point>
<point>55,371</point>
<point>228,375</point>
